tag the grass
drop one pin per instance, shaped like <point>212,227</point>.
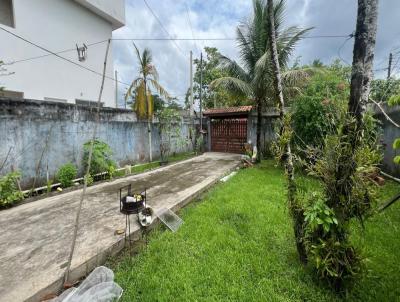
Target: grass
<point>237,245</point>
<point>155,164</point>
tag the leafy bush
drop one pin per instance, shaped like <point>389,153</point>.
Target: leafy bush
<point>101,157</point>
<point>9,193</point>
<point>317,111</point>
<point>347,172</point>
<point>66,174</point>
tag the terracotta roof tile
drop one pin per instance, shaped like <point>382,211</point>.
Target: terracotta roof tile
<point>238,109</point>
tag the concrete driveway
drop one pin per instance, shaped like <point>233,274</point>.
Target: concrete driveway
<point>36,237</point>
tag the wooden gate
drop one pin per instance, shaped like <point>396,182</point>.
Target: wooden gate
<point>228,135</point>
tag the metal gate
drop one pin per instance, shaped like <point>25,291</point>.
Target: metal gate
<point>228,135</point>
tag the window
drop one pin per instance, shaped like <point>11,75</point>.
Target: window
<point>7,13</point>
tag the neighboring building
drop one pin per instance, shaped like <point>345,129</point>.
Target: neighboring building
<point>59,25</point>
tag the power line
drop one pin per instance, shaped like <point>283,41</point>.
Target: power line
<point>162,26</point>
<point>58,52</point>
<point>190,25</point>
<point>341,46</point>
<point>144,39</point>
<point>60,57</point>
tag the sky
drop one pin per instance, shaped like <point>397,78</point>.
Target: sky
<point>219,19</point>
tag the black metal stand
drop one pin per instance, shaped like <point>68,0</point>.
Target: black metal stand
<point>128,208</point>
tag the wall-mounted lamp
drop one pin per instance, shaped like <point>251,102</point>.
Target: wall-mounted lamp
<point>82,52</point>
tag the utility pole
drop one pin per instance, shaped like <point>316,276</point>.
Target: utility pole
<point>390,65</point>
<point>201,88</point>
<point>191,105</point>
<point>116,89</point>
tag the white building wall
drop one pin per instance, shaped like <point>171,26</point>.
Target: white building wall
<point>57,25</point>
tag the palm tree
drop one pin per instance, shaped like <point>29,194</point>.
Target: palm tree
<point>254,79</point>
<point>143,104</point>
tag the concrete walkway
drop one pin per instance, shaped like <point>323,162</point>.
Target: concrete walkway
<point>35,237</point>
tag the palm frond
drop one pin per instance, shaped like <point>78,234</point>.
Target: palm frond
<point>233,86</point>
<point>150,105</point>
<point>287,41</point>
<point>140,104</point>
<point>160,90</point>
<point>133,87</point>
<point>233,68</point>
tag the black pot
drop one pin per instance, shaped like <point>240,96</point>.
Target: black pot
<point>132,207</point>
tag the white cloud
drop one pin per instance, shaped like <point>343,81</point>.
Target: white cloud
<point>219,18</point>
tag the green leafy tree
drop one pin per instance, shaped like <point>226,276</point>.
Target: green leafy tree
<point>212,97</point>
<point>254,79</point>
<point>142,88</point>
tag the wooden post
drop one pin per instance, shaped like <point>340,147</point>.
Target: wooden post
<point>78,212</point>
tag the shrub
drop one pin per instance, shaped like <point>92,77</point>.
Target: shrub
<point>317,111</point>
<point>66,175</point>
<point>346,172</point>
<point>9,193</point>
<point>101,157</point>
<point>89,179</point>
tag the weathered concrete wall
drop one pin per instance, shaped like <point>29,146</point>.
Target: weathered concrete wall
<point>390,133</point>
<point>267,130</point>
<point>26,126</point>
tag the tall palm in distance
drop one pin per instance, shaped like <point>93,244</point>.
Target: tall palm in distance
<point>254,78</point>
<point>141,89</point>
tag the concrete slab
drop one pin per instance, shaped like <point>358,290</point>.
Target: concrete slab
<point>36,237</point>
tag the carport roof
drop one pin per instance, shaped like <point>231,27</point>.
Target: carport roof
<point>229,111</point>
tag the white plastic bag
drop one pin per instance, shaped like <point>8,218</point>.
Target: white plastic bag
<point>99,286</point>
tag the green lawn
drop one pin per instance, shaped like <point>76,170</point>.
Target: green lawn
<point>237,245</point>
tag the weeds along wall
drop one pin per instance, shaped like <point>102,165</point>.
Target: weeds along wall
<point>37,137</point>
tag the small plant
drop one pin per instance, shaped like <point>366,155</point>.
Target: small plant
<point>66,174</point>
<point>48,185</point>
<point>9,193</point>
<point>111,171</point>
<point>101,157</point>
<point>89,179</point>
<point>128,170</point>
<point>168,129</point>
<point>319,215</point>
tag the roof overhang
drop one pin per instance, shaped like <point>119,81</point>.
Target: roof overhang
<point>112,11</point>
<point>230,112</point>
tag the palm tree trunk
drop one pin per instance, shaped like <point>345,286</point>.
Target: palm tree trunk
<point>148,121</point>
<point>258,132</point>
<point>294,207</point>
<point>150,147</point>
<point>363,57</point>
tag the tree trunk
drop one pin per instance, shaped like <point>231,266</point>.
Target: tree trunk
<point>258,132</point>
<point>148,121</point>
<point>363,56</point>
<point>295,209</point>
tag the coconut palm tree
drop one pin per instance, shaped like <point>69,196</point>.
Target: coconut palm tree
<point>142,88</point>
<point>254,78</point>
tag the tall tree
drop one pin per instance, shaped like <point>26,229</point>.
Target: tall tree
<point>212,97</point>
<point>296,212</point>
<point>142,88</point>
<point>254,80</point>
<point>363,57</point>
